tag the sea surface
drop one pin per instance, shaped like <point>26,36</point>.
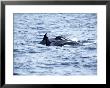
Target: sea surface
<point>32,58</point>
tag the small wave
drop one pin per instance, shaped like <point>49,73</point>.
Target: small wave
<point>89,65</point>
<point>51,64</point>
<point>84,57</point>
<point>91,48</point>
<point>47,67</point>
<point>33,52</point>
<point>40,28</point>
<point>65,58</point>
<point>76,66</point>
<point>75,63</point>
<point>33,27</point>
<point>19,51</point>
<point>45,49</point>
<point>42,32</point>
<point>32,71</point>
<point>40,23</point>
<point>65,63</point>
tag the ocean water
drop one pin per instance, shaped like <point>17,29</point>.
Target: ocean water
<point>32,58</point>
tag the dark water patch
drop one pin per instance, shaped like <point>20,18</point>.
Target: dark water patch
<point>32,71</point>
<point>52,64</point>
<point>33,52</point>
<point>35,41</point>
<point>94,65</point>
<point>73,58</point>
<point>27,67</point>
<point>82,60</point>
<point>19,51</point>
<point>25,31</point>
<point>22,44</point>
<point>42,32</point>
<point>78,71</point>
<point>64,49</point>
<point>58,56</point>
<point>94,69</point>
<point>52,24</point>
<point>16,50</point>
<point>26,21</point>
<point>40,23</point>
<point>84,57</point>
<point>94,62</point>
<point>90,26</point>
<point>45,67</point>
<point>22,23</point>
<point>75,46</point>
<point>89,65</point>
<point>16,74</point>
<point>33,27</point>
<point>40,47</point>
<point>76,66</point>
<point>21,20</point>
<point>41,35</point>
<point>16,67</point>
<point>40,28</point>
<point>68,21</point>
<point>65,63</point>
<point>94,43</point>
<point>56,27</point>
<point>90,39</point>
<point>90,48</point>
<point>84,41</point>
<point>91,29</point>
<point>65,58</point>
<point>36,19</point>
<point>67,73</point>
<point>45,49</point>
<point>74,62</point>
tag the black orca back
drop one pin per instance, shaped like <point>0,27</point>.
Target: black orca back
<point>58,41</point>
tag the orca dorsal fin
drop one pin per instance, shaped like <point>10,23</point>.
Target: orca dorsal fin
<point>45,36</point>
<point>46,40</point>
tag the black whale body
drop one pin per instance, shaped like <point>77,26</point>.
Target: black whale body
<point>58,41</point>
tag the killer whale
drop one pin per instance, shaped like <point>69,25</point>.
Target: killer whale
<point>57,41</point>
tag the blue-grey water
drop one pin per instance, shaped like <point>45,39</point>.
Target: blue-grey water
<point>32,58</point>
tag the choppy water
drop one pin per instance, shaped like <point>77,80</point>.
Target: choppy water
<point>32,58</point>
